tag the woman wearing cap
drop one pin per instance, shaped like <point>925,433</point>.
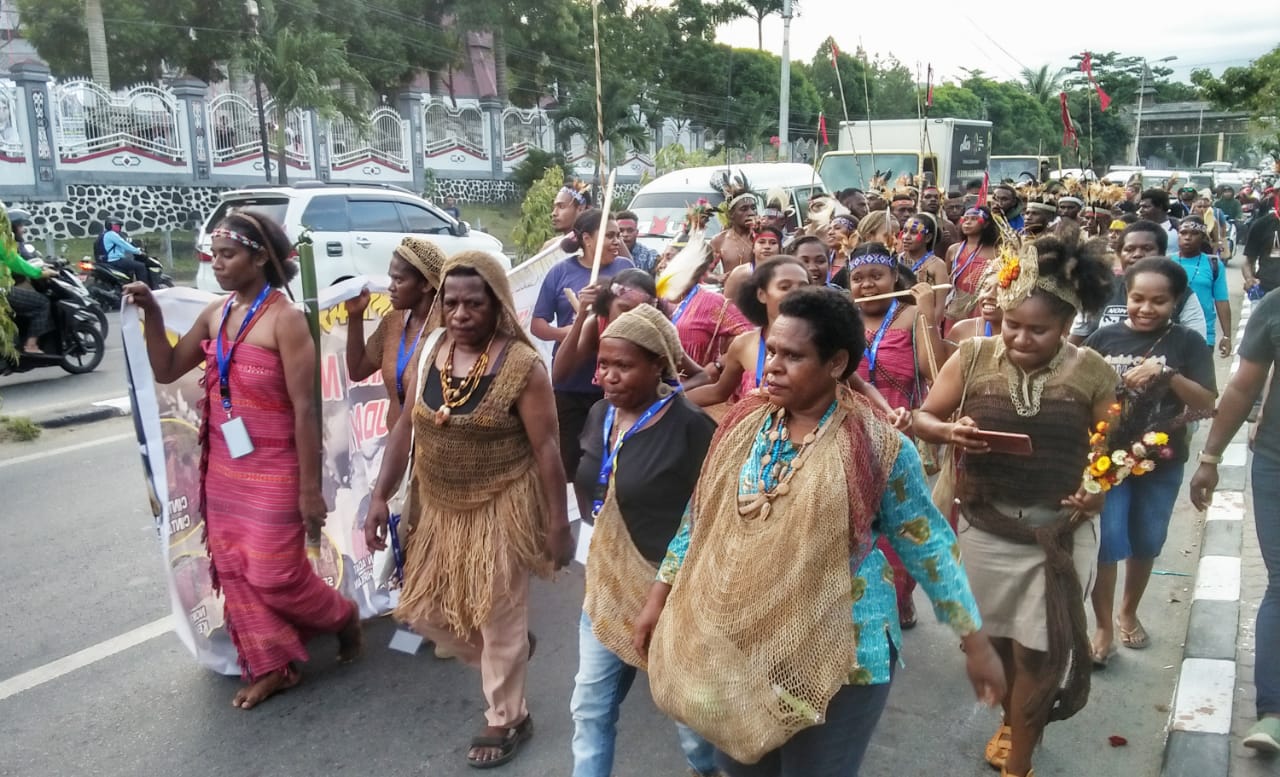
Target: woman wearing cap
<point>487,489</point>
<point>967,260</point>
<point>415,278</point>
<point>643,432</point>
<point>773,625</point>
<point>260,467</point>
<point>1027,532</point>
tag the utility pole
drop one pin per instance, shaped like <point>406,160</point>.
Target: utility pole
<point>251,8</point>
<point>784,94</point>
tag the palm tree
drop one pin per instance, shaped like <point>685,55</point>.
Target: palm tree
<point>1043,84</point>
<point>99,67</point>
<point>577,116</point>
<point>758,10</point>
<point>305,69</point>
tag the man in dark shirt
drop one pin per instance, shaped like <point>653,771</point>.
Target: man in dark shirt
<point>1262,250</point>
<point>1259,351</point>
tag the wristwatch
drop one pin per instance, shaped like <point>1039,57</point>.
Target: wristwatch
<point>1209,458</point>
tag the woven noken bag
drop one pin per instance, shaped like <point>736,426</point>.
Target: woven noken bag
<point>618,582</point>
<point>757,633</point>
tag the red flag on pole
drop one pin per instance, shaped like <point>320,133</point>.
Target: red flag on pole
<point>982,193</point>
<point>835,54</point>
<point>928,95</point>
<point>1069,137</point>
<point>822,129</point>
<point>1086,64</point>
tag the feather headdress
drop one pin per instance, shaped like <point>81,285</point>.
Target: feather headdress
<point>579,191</point>
<point>734,187</point>
<point>821,211</point>
<point>777,202</point>
<point>686,267</point>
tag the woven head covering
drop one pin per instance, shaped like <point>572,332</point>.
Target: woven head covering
<point>1019,277</point>
<point>424,256</point>
<point>1072,200</point>
<point>495,277</point>
<point>645,326</point>
<point>1043,207</point>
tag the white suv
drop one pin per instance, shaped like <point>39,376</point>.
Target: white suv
<point>354,228</point>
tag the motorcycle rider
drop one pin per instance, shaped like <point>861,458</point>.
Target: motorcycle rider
<point>120,253</point>
<point>27,303</point>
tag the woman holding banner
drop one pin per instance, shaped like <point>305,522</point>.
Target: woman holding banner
<point>260,454</point>
<point>488,491</point>
<point>415,277</point>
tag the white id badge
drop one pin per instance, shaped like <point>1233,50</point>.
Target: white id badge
<point>237,436</point>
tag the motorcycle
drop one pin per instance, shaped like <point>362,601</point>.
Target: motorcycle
<point>69,283</point>
<point>76,343</point>
<point>105,283</point>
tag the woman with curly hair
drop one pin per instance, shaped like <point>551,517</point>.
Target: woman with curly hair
<point>1027,529</point>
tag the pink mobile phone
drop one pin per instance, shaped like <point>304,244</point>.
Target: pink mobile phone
<point>1006,442</point>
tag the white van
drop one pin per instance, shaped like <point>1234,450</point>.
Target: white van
<point>660,205</point>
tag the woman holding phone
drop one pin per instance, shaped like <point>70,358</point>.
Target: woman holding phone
<point>1026,524</point>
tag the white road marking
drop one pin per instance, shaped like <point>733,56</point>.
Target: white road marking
<point>1227,506</point>
<point>90,655</point>
<point>119,403</point>
<point>30,457</point>
<point>1206,688</point>
<point>1218,579</point>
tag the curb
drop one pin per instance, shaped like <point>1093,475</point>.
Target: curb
<point>1199,728</point>
<point>77,415</point>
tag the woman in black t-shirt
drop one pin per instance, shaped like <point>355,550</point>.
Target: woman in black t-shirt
<point>642,450</point>
<point>1135,518</point>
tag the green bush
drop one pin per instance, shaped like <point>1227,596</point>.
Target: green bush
<point>534,228</point>
<point>532,168</point>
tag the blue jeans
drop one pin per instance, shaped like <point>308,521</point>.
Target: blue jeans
<point>832,749</point>
<point>600,686</point>
<point>1266,517</point>
<point>1135,517</point>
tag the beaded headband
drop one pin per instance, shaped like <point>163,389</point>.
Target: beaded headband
<point>975,213</point>
<point>772,210</point>
<point>1192,225</point>
<point>845,221</point>
<point>1072,200</point>
<point>865,259</point>
<point>733,203</point>
<point>243,240</point>
<point>574,194</point>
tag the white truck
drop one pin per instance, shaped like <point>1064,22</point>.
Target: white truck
<point>948,153</point>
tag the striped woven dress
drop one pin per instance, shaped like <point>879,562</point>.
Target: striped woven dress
<point>255,535</point>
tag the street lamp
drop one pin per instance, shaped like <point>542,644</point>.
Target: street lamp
<point>1142,84</point>
<point>251,8</point>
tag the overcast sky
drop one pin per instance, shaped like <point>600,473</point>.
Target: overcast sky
<point>954,35</point>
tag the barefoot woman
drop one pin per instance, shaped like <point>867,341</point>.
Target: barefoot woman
<point>260,478</point>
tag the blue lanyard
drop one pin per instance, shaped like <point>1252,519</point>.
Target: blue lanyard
<point>224,359</point>
<point>916,267</point>
<point>684,304</point>
<point>760,361</point>
<point>402,356</point>
<point>610,457</point>
<point>874,349</point>
<point>988,328</point>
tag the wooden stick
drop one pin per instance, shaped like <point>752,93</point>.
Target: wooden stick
<point>604,224</point>
<point>907,293</point>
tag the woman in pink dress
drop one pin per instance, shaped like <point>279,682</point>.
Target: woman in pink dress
<point>901,333</point>
<point>260,455</point>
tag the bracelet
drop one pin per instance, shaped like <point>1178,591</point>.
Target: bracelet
<point>1209,458</point>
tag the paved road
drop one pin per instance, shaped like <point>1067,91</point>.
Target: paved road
<point>84,566</point>
<point>36,393</point>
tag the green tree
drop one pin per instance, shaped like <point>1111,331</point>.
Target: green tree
<point>1254,88</point>
<point>534,227</point>
<point>1021,124</point>
<point>301,67</point>
<point>956,102</point>
<point>622,128</point>
<point>1043,83</point>
<point>756,10</point>
<point>99,61</point>
<point>852,70</point>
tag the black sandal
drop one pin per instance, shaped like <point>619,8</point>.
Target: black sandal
<point>507,745</point>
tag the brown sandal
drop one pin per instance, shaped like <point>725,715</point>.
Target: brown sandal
<point>998,747</point>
